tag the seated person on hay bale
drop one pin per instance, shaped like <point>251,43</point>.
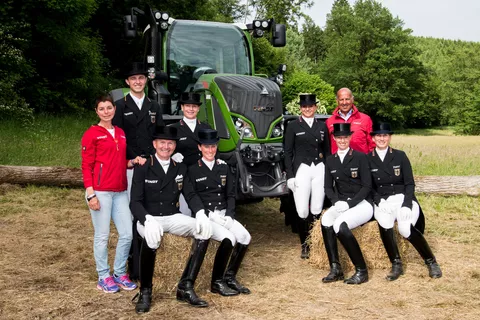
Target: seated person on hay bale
<point>348,186</point>
<point>394,198</point>
<point>154,202</point>
<point>215,184</point>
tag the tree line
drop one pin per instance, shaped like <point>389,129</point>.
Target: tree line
<point>56,55</point>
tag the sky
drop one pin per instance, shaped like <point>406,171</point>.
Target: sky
<point>449,19</point>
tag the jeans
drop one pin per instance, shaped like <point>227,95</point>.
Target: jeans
<point>113,205</point>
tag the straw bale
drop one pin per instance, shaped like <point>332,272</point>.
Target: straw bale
<point>171,260</point>
<point>368,238</point>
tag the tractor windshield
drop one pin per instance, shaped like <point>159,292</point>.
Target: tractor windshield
<point>199,47</point>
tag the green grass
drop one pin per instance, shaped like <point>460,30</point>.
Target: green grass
<point>50,141</point>
<point>55,141</point>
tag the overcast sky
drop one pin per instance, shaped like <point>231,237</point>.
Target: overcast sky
<point>449,19</point>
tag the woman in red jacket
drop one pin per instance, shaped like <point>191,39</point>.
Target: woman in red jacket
<point>103,167</point>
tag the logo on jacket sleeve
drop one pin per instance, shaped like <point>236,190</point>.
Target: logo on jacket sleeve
<point>179,181</point>
<point>223,177</point>
<point>396,170</point>
<point>354,172</point>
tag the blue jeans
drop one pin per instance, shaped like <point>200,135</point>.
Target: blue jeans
<point>113,205</point>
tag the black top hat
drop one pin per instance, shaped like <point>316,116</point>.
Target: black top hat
<point>190,98</point>
<point>308,99</point>
<point>381,128</point>
<point>208,136</point>
<point>136,68</point>
<point>166,133</point>
<point>341,129</point>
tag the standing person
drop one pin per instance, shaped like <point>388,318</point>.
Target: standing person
<point>360,123</point>
<point>138,116</point>
<point>188,129</point>
<point>306,148</point>
<point>154,202</point>
<point>348,185</point>
<point>394,198</point>
<point>215,184</point>
<point>103,168</point>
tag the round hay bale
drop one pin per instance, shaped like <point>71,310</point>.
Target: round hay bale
<point>368,237</point>
<point>171,261</point>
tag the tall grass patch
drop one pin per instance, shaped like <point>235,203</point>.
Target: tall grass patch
<point>49,141</point>
<point>441,155</point>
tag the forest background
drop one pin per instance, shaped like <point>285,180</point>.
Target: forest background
<point>57,55</point>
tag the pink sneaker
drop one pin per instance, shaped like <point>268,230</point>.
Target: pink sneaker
<point>107,285</point>
<point>124,282</point>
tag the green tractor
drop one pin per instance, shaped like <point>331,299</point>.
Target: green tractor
<point>216,60</point>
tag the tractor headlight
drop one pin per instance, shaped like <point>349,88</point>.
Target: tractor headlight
<point>244,129</point>
<point>277,131</point>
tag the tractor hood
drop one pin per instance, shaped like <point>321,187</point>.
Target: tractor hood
<point>257,99</point>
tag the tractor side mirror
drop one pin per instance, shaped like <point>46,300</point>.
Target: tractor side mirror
<point>130,26</point>
<point>279,35</point>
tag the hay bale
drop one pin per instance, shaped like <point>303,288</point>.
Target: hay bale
<point>368,237</point>
<point>171,260</point>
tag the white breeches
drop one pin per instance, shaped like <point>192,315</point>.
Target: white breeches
<point>236,233</point>
<point>184,209</point>
<point>353,217</point>
<point>129,182</point>
<point>309,189</point>
<point>387,220</point>
<point>177,224</point>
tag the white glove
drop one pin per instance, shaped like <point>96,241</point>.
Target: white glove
<point>204,227</point>
<point>291,184</point>
<point>177,157</point>
<point>228,222</point>
<point>385,207</point>
<point>153,232</point>
<point>220,161</point>
<point>341,206</point>
<point>216,217</point>
<point>405,213</point>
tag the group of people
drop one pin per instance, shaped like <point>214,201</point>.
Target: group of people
<point>150,179</point>
<point>350,162</point>
<point>132,176</point>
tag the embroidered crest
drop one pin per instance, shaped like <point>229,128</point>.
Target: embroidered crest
<point>153,118</point>
<point>397,171</point>
<point>224,179</point>
<point>321,155</point>
<point>179,181</point>
<point>354,174</point>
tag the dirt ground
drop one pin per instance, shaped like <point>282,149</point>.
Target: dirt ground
<point>48,272</point>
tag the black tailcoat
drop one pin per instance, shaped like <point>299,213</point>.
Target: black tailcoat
<point>305,145</point>
<point>349,181</point>
<point>215,187</point>
<point>156,193</point>
<point>139,125</point>
<point>392,176</point>
<point>187,143</point>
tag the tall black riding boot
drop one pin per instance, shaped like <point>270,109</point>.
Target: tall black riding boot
<point>418,241</point>
<point>303,226</point>
<point>330,241</point>
<point>350,244</point>
<point>218,284</point>
<point>235,261</point>
<point>147,265</point>
<point>390,244</point>
<point>185,289</point>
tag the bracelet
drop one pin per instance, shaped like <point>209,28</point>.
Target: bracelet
<point>90,197</point>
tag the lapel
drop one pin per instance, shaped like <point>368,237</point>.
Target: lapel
<point>145,108</point>
<point>186,129</point>
<point>383,165</point>
<point>171,174</point>
<point>156,168</point>
<point>132,105</point>
<point>348,157</point>
<point>389,156</point>
<point>307,128</point>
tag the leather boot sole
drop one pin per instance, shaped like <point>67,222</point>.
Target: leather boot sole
<point>197,303</point>
<point>223,289</point>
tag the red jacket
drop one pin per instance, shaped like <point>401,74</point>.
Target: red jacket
<point>104,160</point>
<point>360,124</point>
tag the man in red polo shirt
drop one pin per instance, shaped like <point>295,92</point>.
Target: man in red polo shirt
<point>360,123</point>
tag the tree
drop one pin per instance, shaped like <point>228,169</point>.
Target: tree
<point>313,41</point>
<point>283,11</point>
<point>371,53</point>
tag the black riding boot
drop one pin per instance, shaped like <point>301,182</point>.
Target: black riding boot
<point>185,289</point>
<point>235,261</point>
<point>147,265</point>
<point>303,226</point>
<point>350,244</point>
<point>390,244</point>
<point>330,241</point>
<point>218,284</point>
<point>418,241</point>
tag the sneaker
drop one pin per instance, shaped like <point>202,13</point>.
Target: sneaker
<point>107,285</point>
<point>124,282</point>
